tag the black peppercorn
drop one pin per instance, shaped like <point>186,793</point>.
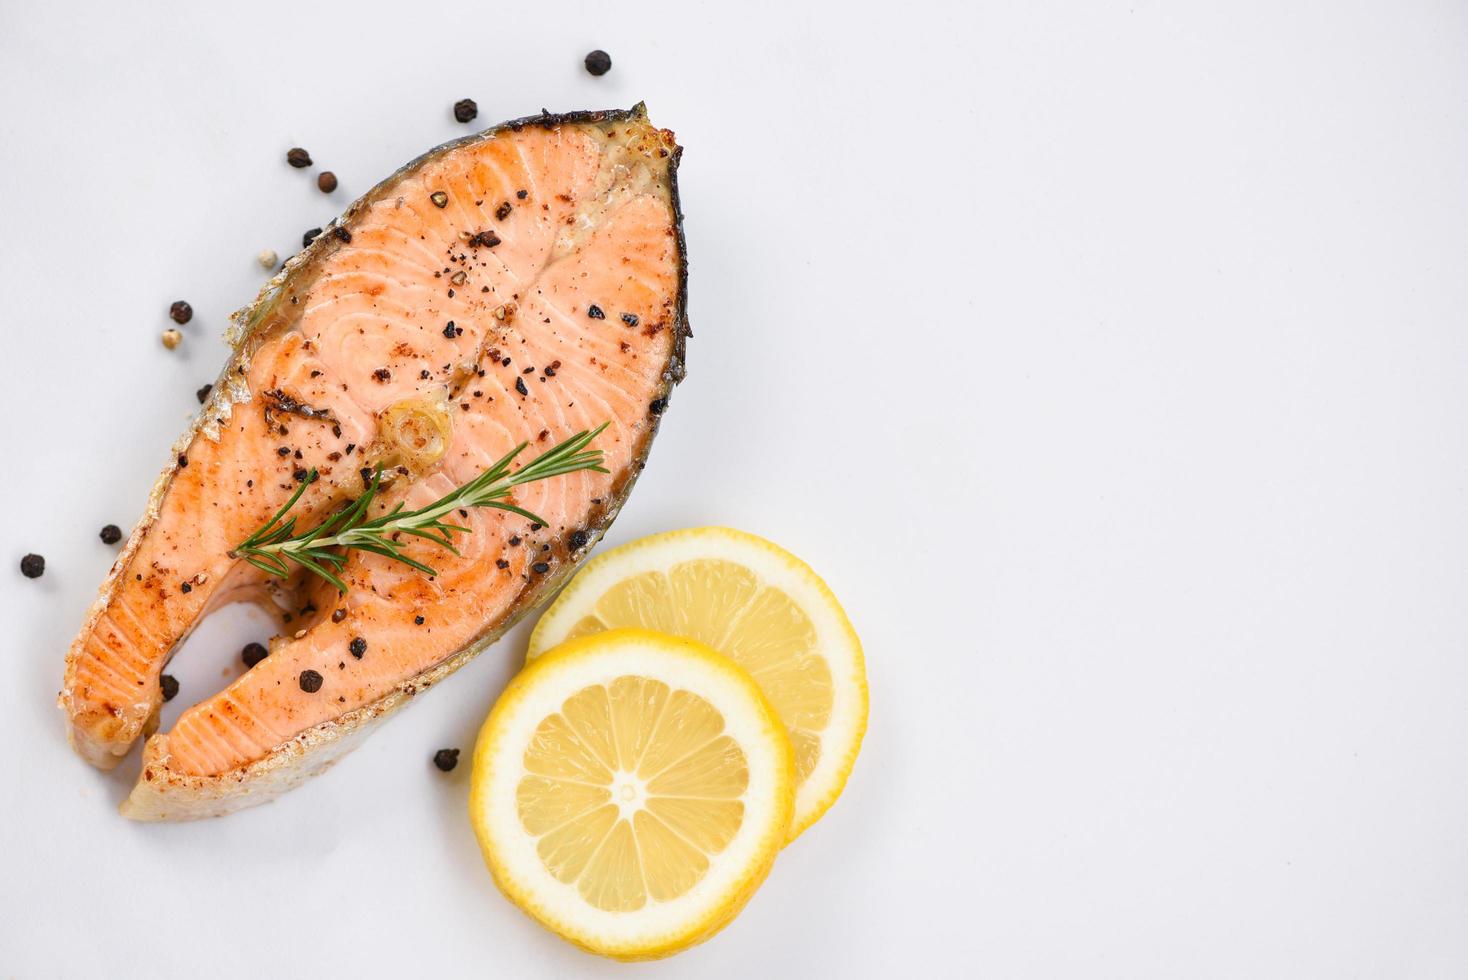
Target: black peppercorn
<point>111,534</point>
<point>595,312</point>
<point>540,568</point>
<point>465,110</point>
<point>326,181</point>
<point>203,393</point>
<point>358,646</point>
<point>169,684</point>
<point>503,211</point>
<point>598,62</point>
<point>310,681</point>
<point>446,759</point>
<point>520,386</point>
<point>297,157</point>
<point>309,237</point>
<point>341,233</point>
<point>33,566</point>
<point>439,199</point>
<point>253,653</point>
<point>579,539</point>
<point>181,312</point>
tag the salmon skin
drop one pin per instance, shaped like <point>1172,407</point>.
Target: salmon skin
<point>519,285</point>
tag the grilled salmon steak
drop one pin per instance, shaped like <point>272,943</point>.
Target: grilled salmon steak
<point>519,285</point>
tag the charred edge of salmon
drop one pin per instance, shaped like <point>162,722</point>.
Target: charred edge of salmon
<point>161,794</point>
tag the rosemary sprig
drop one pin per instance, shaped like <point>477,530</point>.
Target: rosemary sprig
<point>323,550</point>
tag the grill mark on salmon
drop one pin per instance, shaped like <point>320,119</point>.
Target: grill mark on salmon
<point>353,328</point>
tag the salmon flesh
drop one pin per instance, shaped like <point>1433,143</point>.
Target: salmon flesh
<point>519,285</point>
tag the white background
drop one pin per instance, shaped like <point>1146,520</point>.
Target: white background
<point>1108,359</point>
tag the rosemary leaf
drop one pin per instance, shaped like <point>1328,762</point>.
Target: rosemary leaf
<point>275,546</point>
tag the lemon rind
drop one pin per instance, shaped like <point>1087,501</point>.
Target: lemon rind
<point>732,896</point>
<point>817,794</point>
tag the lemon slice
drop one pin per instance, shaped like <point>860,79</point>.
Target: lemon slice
<point>757,604</point>
<point>630,791</point>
